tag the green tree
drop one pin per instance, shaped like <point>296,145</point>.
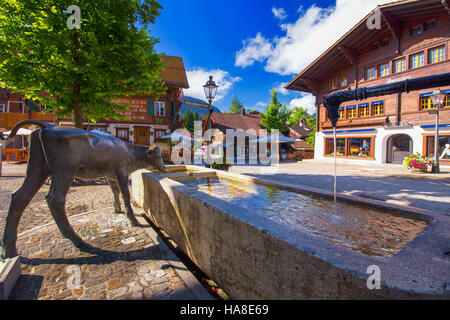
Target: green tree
<point>195,116</point>
<point>297,114</point>
<point>275,115</point>
<point>236,106</point>
<point>311,139</point>
<point>189,120</point>
<point>80,71</point>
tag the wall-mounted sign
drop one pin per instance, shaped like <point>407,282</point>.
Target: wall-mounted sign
<point>390,125</point>
<point>393,80</point>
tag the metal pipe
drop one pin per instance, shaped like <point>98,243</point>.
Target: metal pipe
<point>436,141</point>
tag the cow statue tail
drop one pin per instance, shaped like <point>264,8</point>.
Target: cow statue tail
<point>16,128</point>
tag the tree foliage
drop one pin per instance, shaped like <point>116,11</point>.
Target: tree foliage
<point>311,123</point>
<point>189,118</point>
<point>79,71</point>
<point>297,113</point>
<point>275,116</point>
<point>236,106</point>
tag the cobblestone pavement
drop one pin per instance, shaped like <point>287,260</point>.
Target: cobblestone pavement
<point>390,183</point>
<point>123,263</point>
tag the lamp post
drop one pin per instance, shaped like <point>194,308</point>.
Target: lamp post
<point>210,92</point>
<point>437,98</point>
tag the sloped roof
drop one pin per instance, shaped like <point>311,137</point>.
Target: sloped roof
<point>301,145</point>
<point>301,131</point>
<point>224,121</point>
<point>358,36</point>
<point>174,74</point>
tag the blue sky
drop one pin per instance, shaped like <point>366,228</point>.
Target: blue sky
<point>253,46</point>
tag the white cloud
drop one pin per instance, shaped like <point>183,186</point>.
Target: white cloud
<point>281,89</point>
<point>307,101</point>
<point>315,30</point>
<point>279,13</point>
<point>262,104</point>
<point>198,77</point>
<point>255,49</point>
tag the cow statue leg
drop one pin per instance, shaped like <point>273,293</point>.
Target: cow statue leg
<point>116,191</point>
<point>37,173</point>
<point>122,179</point>
<point>56,200</point>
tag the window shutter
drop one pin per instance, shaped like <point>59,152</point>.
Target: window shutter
<point>150,104</point>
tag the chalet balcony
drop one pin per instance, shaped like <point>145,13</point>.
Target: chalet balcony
<point>9,120</point>
<point>356,122</point>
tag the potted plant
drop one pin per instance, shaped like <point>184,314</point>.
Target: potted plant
<point>416,162</point>
<point>221,164</point>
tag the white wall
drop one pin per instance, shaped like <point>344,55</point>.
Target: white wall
<point>381,137</point>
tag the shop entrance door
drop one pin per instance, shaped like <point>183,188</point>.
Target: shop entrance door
<point>398,148</point>
<point>142,136</point>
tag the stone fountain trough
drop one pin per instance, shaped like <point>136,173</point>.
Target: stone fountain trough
<point>253,257</point>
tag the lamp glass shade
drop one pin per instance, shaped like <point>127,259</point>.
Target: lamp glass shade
<point>210,89</point>
<point>437,98</point>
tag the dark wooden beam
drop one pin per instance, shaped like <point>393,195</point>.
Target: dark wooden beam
<point>446,5</point>
<point>313,85</point>
<point>349,54</point>
<point>394,27</point>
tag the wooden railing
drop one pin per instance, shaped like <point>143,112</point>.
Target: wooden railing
<point>9,120</point>
<point>355,122</point>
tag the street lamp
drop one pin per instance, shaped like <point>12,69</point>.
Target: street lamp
<point>210,92</point>
<point>437,98</point>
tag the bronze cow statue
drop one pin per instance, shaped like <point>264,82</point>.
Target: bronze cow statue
<point>65,154</point>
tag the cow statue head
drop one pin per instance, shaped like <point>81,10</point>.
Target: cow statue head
<point>155,158</point>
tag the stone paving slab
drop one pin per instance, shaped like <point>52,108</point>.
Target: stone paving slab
<point>123,262</point>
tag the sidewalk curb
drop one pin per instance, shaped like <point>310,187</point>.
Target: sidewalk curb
<point>188,278</point>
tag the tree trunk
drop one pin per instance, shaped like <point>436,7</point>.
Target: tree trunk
<point>78,110</point>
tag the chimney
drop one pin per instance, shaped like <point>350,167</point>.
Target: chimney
<point>243,111</point>
<point>302,122</point>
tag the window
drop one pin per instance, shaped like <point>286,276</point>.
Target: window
<point>417,60</point>
<point>351,112</point>
<point>375,45</point>
<point>385,42</point>
<point>343,81</point>
<point>383,69</point>
<point>371,73</point>
<point>341,113</point>
<point>447,101</point>
<point>359,147</point>
<point>350,147</point>
<point>416,31</point>
<point>2,108</point>
<point>378,108</point>
<point>429,25</point>
<point>159,134</point>
<point>332,84</point>
<point>122,133</point>
<point>425,102</point>
<point>443,140</point>
<point>364,110</point>
<point>436,54</point>
<point>340,146</point>
<point>400,65</point>
<point>160,109</point>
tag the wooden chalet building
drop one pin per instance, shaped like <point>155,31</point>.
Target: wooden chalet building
<point>151,118</point>
<point>413,42</point>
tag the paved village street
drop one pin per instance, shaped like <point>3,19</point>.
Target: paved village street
<point>391,183</point>
<point>125,263</point>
